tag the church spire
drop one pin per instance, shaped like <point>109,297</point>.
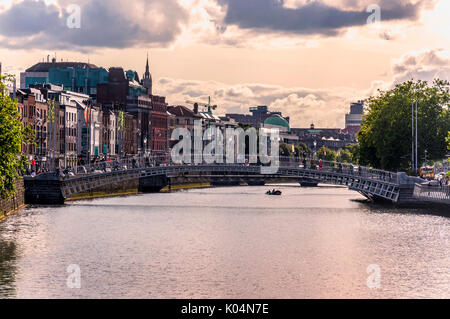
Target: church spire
<point>147,80</point>
<point>147,69</point>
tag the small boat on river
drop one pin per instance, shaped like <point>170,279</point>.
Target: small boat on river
<point>274,192</point>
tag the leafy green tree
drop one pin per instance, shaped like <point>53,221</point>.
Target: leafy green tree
<point>344,156</point>
<point>385,136</point>
<point>330,155</point>
<point>302,150</point>
<point>285,149</point>
<point>354,151</point>
<point>448,141</point>
<point>12,135</point>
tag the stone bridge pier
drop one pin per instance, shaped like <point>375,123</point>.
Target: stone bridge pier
<point>152,184</point>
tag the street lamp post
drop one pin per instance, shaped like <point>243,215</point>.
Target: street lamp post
<point>315,145</point>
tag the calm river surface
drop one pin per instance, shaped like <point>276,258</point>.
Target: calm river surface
<point>227,243</point>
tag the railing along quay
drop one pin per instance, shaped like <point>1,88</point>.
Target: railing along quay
<point>437,194</point>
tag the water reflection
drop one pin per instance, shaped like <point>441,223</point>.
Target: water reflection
<point>8,268</point>
<point>227,243</point>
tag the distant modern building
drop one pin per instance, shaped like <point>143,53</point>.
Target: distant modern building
<point>72,76</point>
<point>353,120</point>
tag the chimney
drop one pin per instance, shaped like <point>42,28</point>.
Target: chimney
<point>195,108</point>
<point>48,58</point>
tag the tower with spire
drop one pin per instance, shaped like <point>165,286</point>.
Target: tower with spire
<point>147,79</point>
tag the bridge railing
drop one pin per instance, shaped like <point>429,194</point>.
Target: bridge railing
<point>120,164</point>
<point>439,194</point>
<point>338,167</point>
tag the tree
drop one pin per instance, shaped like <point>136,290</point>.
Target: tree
<point>302,150</point>
<point>285,149</point>
<point>448,141</point>
<point>385,137</point>
<point>344,156</point>
<point>330,156</point>
<point>12,135</point>
<point>354,150</point>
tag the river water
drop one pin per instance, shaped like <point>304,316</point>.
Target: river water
<point>325,242</point>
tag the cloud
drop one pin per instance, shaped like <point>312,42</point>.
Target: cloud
<point>315,17</point>
<point>303,105</point>
<point>425,65</point>
<point>104,24</point>
<point>163,23</point>
<point>323,107</point>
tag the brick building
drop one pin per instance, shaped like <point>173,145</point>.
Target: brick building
<point>159,126</point>
<point>33,108</point>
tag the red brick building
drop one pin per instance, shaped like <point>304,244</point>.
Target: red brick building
<point>159,127</point>
<point>33,109</point>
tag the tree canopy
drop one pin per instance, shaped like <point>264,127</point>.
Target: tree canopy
<point>330,155</point>
<point>448,141</point>
<point>385,137</point>
<point>302,150</point>
<point>12,135</point>
<point>344,156</point>
<point>285,149</point>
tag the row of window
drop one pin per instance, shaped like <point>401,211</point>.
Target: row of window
<point>159,146</point>
<point>71,131</point>
<point>71,117</point>
<point>71,147</point>
<point>30,111</point>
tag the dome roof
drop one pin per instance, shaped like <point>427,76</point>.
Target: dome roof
<point>276,120</point>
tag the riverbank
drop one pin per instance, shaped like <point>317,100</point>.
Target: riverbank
<point>167,189</point>
<point>3,216</point>
<point>12,205</point>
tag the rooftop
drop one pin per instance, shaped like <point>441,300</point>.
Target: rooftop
<point>182,111</point>
<point>276,120</point>
<point>46,66</point>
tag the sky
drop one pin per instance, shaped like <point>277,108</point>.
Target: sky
<point>306,58</point>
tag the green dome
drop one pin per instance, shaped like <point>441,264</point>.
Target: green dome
<point>276,120</point>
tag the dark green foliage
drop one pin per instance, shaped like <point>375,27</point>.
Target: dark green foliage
<point>12,135</point>
<point>385,137</point>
